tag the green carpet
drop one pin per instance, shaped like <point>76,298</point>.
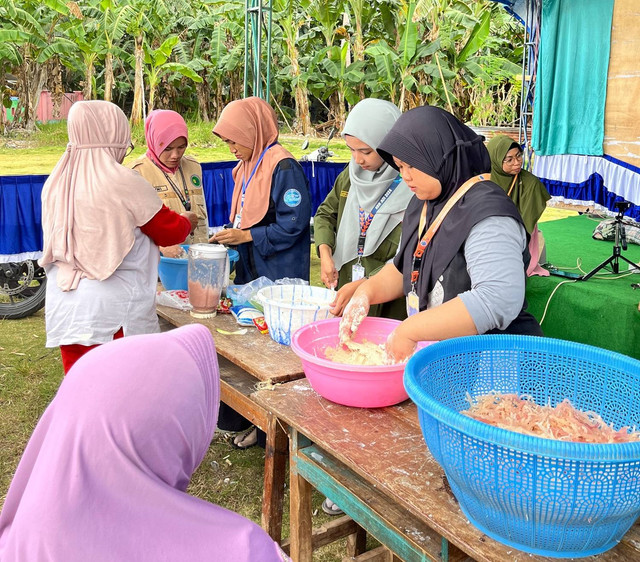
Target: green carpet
<point>602,311</point>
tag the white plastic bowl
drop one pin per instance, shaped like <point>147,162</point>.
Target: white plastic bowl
<point>289,307</point>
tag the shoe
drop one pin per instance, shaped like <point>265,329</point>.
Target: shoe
<point>331,508</point>
<point>245,440</point>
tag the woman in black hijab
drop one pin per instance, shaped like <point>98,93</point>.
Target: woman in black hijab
<point>462,260</point>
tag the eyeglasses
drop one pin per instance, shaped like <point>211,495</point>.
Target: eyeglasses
<point>511,159</point>
<point>129,150</point>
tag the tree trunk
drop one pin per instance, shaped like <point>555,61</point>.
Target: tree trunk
<point>31,80</point>
<point>152,96</point>
<point>236,86</point>
<point>202,90</point>
<point>4,92</point>
<point>136,109</point>
<point>108,76</point>
<point>358,51</point>
<point>219,99</point>
<point>54,84</point>
<point>87,91</point>
<point>341,116</point>
<point>302,121</point>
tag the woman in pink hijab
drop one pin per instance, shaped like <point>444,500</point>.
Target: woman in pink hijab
<point>176,177</point>
<point>102,225</point>
<point>104,475</point>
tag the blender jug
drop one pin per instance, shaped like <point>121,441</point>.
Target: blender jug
<point>207,277</point>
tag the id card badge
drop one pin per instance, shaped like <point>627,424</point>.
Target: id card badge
<point>236,221</point>
<point>357,272</point>
<point>413,303</point>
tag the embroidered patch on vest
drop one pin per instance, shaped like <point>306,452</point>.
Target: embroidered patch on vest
<point>160,188</point>
<point>292,198</point>
<point>195,180</point>
<point>344,193</point>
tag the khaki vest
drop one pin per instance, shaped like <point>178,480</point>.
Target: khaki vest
<point>192,173</point>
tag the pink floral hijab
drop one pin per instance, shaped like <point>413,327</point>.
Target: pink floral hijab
<point>104,474</point>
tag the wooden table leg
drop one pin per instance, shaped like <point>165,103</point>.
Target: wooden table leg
<point>275,466</point>
<point>300,508</point>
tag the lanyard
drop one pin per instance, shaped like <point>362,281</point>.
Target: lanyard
<point>435,225</point>
<point>246,183</point>
<point>184,199</point>
<point>365,223</point>
<point>515,179</point>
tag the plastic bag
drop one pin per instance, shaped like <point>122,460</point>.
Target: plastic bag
<point>174,299</point>
<point>243,294</point>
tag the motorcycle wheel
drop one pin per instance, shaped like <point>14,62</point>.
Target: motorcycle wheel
<point>22,289</point>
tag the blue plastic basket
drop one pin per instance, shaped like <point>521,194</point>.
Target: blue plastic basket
<point>542,496</point>
<point>173,272</point>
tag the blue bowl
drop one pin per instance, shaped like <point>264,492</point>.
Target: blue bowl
<point>547,497</point>
<point>174,271</point>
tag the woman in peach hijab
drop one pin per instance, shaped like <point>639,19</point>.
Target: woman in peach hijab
<point>102,224</point>
<point>270,213</point>
<point>271,205</point>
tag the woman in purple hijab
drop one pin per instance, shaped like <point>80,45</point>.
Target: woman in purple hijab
<point>104,475</point>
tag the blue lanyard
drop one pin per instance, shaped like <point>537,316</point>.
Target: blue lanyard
<point>365,223</point>
<point>245,184</point>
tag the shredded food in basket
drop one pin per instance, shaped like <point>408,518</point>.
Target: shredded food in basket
<point>563,421</point>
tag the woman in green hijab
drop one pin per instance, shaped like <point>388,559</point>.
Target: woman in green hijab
<point>526,191</point>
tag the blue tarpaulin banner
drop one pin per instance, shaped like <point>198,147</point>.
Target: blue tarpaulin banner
<point>20,211</point>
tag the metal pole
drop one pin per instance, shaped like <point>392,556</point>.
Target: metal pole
<point>269,51</point>
<point>246,47</point>
<point>258,61</point>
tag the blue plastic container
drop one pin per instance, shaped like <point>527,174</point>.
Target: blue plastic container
<point>543,496</point>
<point>173,271</point>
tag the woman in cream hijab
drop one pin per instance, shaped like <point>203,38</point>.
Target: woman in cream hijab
<point>102,224</point>
<point>357,228</point>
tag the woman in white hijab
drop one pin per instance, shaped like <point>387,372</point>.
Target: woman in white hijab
<point>357,228</point>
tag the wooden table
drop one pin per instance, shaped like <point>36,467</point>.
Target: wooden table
<point>376,466</point>
<point>242,360</point>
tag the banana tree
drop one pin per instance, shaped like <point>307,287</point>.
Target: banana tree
<point>213,47</point>
<point>290,17</point>
<point>32,28</point>
<point>112,21</point>
<point>90,46</point>
<point>343,82</point>
<point>397,66</point>
<point>157,64</point>
<point>9,59</point>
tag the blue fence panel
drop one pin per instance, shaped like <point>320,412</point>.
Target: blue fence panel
<point>20,211</point>
<point>20,216</point>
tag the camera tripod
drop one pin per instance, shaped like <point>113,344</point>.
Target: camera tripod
<point>620,243</point>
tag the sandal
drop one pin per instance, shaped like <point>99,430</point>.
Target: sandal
<point>246,439</point>
<point>331,508</point>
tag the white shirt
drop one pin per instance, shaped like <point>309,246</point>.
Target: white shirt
<point>96,310</point>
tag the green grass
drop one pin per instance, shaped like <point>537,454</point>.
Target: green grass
<point>39,152</point>
<point>30,375</point>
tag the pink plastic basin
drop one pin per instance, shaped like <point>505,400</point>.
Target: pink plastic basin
<point>363,386</point>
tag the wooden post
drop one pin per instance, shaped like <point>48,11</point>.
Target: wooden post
<point>300,508</point>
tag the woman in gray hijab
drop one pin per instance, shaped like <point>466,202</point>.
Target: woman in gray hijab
<point>357,228</point>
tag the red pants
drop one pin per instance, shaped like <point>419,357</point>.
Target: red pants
<point>71,353</point>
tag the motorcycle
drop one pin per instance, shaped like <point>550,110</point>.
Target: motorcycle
<point>321,154</point>
<point>22,289</point>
